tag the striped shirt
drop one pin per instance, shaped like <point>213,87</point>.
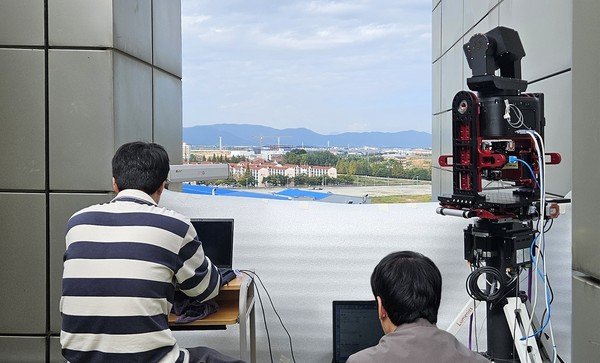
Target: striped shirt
<point>121,264</point>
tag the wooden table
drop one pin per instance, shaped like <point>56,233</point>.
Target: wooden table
<point>236,306</point>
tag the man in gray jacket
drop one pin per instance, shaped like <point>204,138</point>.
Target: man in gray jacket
<point>408,289</point>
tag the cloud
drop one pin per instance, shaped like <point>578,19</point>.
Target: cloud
<point>331,66</point>
<point>331,7</point>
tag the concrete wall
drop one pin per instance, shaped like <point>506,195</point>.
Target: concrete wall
<point>586,146</point>
<point>79,78</point>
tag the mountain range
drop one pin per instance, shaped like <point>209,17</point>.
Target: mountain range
<point>256,135</point>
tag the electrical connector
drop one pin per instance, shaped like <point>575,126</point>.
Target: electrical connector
<point>506,110</point>
<point>512,159</point>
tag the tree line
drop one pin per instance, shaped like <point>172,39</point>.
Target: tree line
<point>348,168</point>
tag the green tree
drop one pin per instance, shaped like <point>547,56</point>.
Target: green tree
<point>342,166</point>
<point>397,168</point>
<point>301,179</point>
<point>363,167</point>
<point>276,180</point>
<point>345,179</point>
<point>295,156</point>
<point>324,158</point>
<point>247,179</point>
<point>353,167</point>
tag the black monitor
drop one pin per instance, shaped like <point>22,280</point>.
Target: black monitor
<point>216,236</point>
<point>356,326</point>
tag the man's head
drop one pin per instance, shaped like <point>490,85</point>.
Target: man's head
<point>140,165</point>
<point>409,286</point>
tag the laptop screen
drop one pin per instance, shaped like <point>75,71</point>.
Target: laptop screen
<point>216,236</point>
<point>356,326</point>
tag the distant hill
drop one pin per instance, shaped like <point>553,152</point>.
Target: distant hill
<point>250,135</point>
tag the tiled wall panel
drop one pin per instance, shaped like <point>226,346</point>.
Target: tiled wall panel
<point>452,23</point>
<point>452,76</point>
<point>22,140</point>
<point>586,294</point>
<point>558,133</point>
<point>81,119</point>
<point>132,99</point>
<point>80,23</point>
<point>133,28</point>
<point>167,108</point>
<point>586,142</point>
<point>166,27</point>
<point>23,261</point>
<point>22,22</point>
<point>475,11</point>
<point>22,349</point>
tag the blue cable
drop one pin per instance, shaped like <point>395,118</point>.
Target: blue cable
<point>549,303</point>
<point>512,159</point>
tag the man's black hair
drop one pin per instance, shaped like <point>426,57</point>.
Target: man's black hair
<point>140,165</point>
<point>409,285</point>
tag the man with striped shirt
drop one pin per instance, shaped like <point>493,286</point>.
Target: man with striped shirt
<point>121,264</point>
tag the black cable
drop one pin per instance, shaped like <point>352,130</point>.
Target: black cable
<point>473,288</point>
<point>275,311</point>
<point>517,288</point>
<point>551,224</point>
<point>262,307</point>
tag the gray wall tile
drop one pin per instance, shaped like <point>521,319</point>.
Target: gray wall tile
<point>23,261</point>
<point>452,76</point>
<point>586,139</point>
<point>558,131</point>
<point>452,30</point>
<point>133,28</point>
<point>586,294</point>
<point>476,10</point>
<point>22,140</point>
<point>132,100</point>
<point>22,349</point>
<point>22,22</point>
<point>55,351</point>
<point>436,33</point>
<point>167,114</point>
<point>86,23</point>
<point>81,119</point>
<point>166,25</point>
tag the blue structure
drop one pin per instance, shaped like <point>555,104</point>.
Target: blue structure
<point>207,190</point>
<point>286,194</point>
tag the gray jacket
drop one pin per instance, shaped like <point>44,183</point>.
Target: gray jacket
<point>418,342</point>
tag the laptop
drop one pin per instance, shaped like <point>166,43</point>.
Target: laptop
<point>216,236</point>
<point>356,326</point>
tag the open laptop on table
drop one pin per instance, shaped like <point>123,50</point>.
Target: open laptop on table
<point>216,235</point>
<point>356,326</point>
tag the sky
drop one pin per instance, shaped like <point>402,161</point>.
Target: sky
<point>329,66</point>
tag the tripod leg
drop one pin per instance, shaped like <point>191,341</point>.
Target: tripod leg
<point>463,317</point>
<point>518,318</point>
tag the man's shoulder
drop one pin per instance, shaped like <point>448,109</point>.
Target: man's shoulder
<point>367,355</point>
<point>116,208</point>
